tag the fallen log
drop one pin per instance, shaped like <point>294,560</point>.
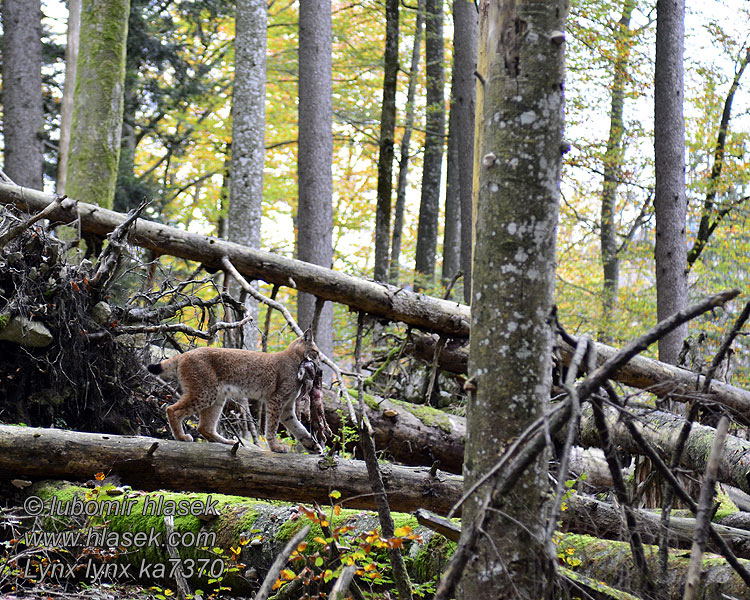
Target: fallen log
<point>409,433</point>
<point>586,515</point>
<point>661,430</point>
<point>258,531</point>
<point>389,302</point>
<point>148,464</point>
<point>611,561</point>
<point>641,372</point>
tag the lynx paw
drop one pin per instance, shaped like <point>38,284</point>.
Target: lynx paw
<point>277,446</point>
<point>186,438</point>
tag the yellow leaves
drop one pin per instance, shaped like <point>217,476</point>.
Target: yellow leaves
<point>402,531</point>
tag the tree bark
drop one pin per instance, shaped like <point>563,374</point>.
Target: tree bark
<point>387,133</point>
<point>519,135</point>
<point>429,207</point>
<point>248,140</point>
<point>670,204</point>
<point>98,102</point>
<point>613,157</point>
<point>66,106</point>
<point>465,23</point>
<point>315,157</point>
<point>23,117</point>
<point>51,453</point>
<point>403,167</point>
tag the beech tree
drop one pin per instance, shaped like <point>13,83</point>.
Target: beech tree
<point>23,118</point>
<point>98,102</point>
<point>670,250</point>
<point>429,206</point>
<point>66,109</point>
<point>315,155</point>
<point>387,131</point>
<point>248,127</point>
<point>519,130</point>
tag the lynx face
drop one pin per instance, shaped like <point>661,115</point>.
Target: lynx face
<point>209,375</point>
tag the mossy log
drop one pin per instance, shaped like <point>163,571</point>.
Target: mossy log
<point>411,434</point>
<point>611,561</point>
<point>603,520</point>
<point>661,430</point>
<point>148,464</point>
<point>641,372</point>
<point>128,528</point>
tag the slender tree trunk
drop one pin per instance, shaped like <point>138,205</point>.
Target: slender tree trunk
<point>387,132</point>
<point>463,102</point>
<point>248,140</point>
<point>403,169</point>
<point>519,137</point>
<point>669,150</point>
<point>315,211</point>
<point>452,229</point>
<point>66,110</point>
<point>612,170</point>
<point>23,117</point>
<point>98,102</point>
<point>429,207</point>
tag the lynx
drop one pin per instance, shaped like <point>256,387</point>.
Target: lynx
<point>207,375</point>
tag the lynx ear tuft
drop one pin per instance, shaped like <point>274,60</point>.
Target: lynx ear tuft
<point>308,336</point>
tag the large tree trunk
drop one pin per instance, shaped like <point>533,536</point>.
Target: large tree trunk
<point>404,150</point>
<point>387,132</point>
<point>510,358</point>
<point>248,140</point>
<point>98,102</point>
<point>28,452</point>
<point>315,157</point>
<point>23,117</point>
<point>66,106</point>
<point>670,204</point>
<point>465,25</point>
<point>429,207</point>
<point>613,157</point>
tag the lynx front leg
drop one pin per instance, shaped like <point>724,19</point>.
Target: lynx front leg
<point>296,428</point>
<point>273,414</point>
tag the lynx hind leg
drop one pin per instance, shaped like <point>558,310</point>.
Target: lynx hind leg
<point>209,419</point>
<point>176,414</point>
<point>298,430</point>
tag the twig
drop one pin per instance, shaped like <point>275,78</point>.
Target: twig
<point>16,230</point>
<point>6,179</point>
<point>679,490</point>
<point>443,526</point>
<point>338,592</point>
<point>400,576</point>
<point>562,473</point>
<point>273,572</point>
<point>433,371</point>
<point>171,328</point>
<point>703,516</point>
<point>725,345</point>
<point>615,469</point>
<point>182,585</point>
<point>604,372</point>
